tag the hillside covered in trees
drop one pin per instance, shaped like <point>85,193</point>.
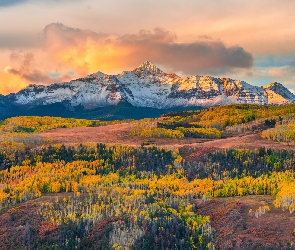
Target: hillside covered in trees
<point>223,121</point>
<point>145,193</point>
<point>143,196</point>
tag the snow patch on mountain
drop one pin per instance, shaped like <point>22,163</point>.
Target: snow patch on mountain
<point>278,94</point>
<point>276,99</point>
<point>95,90</point>
<point>149,86</point>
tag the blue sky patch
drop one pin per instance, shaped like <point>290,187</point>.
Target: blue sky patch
<point>54,74</point>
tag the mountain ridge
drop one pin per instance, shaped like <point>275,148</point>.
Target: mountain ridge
<point>146,86</point>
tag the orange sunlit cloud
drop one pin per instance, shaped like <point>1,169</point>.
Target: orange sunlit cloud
<point>219,38</point>
<point>88,51</point>
<point>67,49</point>
<point>11,82</point>
<point>84,51</point>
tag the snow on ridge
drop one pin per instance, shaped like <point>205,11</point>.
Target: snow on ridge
<point>148,86</point>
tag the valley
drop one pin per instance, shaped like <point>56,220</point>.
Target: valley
<point>120,133</point>
<point>216,178</point>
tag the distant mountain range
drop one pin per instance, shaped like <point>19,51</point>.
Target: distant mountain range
<point>144,91</point>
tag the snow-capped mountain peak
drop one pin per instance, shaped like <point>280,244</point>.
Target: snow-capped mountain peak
<point>149,67</point>
<point>278,94</point>
<point>149,86</point>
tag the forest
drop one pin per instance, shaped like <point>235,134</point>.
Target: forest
<point>219,122</point>
<point>146,192</point>
<point>283,131</point>
<point>223,116</point>
<point>113,196</point>
<point>135,187</point>
<point>35,124</point>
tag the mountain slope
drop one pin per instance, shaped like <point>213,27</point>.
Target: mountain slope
<point>278,94</point>
<point>95,90</point>
<point>146,86</point>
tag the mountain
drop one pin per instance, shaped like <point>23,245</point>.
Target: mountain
<point>147,86</point>
<point>278,94</point>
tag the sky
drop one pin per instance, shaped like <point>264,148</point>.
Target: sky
<point>48,41</point>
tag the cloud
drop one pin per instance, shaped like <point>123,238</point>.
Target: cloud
<point>27,70</point>
<point>58,35</point>
<point>261,76</point>
<point>10,83</point>
<point>24,72</point>
<point>270,68</point>
<point>285,73</point>
<point>74,49</point>
<point>25,41</point>
<point>279,68</point>
<point>92,51</point>
<point>65,49</point>
<point>199,57</point>
<point>260,27</point>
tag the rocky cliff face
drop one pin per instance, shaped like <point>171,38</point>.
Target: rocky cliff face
<point>278,94</point>
<point>148,86</point>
